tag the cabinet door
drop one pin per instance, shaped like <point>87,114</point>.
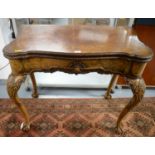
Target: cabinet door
<point>124,22</point>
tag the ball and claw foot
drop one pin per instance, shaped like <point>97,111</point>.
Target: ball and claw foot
<point>25,127</point>
<point>107,96</point>
<point>119,131</point>
<point>35,95</point>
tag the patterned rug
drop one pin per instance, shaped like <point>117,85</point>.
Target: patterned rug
<point>77,117</point>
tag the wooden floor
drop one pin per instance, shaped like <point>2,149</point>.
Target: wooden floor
<point>147,35</point>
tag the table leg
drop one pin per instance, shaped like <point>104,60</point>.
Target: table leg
<point>35,91</point>
<point>13,84</point>
<point>112,82</point>
<point>138,89</point>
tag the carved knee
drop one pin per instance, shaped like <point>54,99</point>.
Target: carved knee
<point>138,88</point>
<point>13,84</point>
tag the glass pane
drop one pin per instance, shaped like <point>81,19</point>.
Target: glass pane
<point>94,21</point>
<point>123,21</point>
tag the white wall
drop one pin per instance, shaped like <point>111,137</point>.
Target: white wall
<point>60,79</point>
<point>4,39</point>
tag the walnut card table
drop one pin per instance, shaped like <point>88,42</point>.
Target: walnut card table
<point>77,49</point>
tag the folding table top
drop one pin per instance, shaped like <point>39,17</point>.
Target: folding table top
<point>80,41</point>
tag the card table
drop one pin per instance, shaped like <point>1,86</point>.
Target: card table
<point>77,49</point>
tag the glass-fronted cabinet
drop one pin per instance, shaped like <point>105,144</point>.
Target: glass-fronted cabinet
<point>125,22</point>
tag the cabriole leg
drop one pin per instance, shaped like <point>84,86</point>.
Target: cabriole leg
<point>35,91</point>
<point>13,84</point>
<point>138,89</point>
<point>112,82</point>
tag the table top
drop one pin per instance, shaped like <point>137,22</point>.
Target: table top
<point>80,41</point>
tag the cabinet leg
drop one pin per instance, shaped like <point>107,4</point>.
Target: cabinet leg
<point>13,84</point>
<point>35,91</point>
<point>112,83</point>
<point>138,89</point>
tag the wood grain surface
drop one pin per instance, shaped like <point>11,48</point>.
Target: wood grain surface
<point>82,41</point>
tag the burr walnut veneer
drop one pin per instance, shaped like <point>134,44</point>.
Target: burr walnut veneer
<point>77,49</point>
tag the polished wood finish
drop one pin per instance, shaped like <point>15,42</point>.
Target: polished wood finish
<point>35,91</point>
<point>81,41</point>
<point>78,50</point>
<point>111,85</point>
<point>138,89</point>
<point>13,84</point>
<point>146,33</point>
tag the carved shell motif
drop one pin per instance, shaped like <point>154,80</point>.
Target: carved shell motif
<point>13,84</point>
<point>77,66</point>
<point>138,88</point>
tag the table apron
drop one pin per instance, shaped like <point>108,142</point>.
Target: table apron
<point>124,67</point>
